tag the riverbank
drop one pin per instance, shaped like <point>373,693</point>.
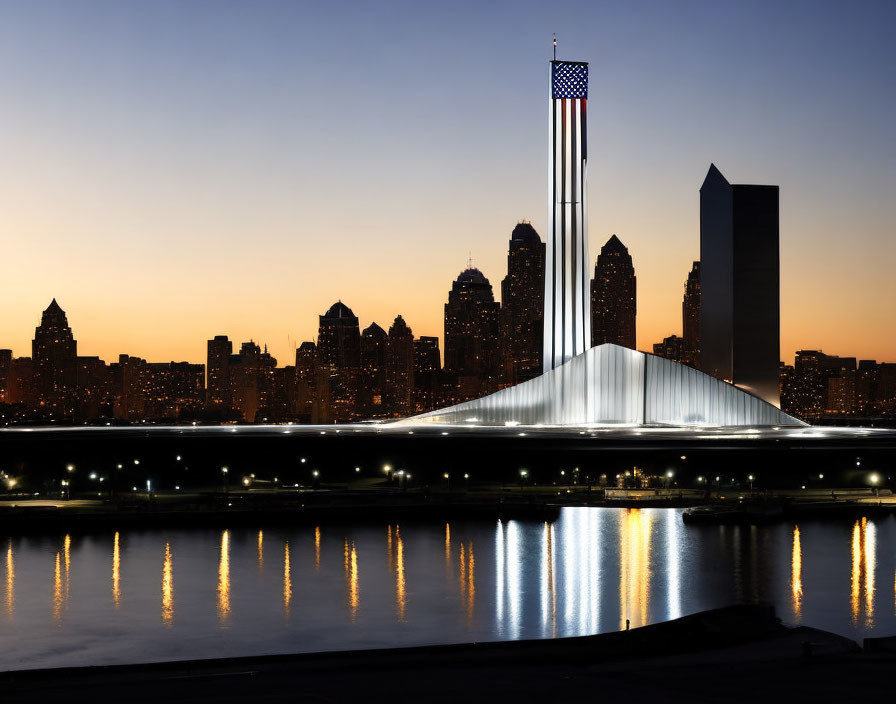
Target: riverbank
<point>334,504</point>
<point>735,654</point>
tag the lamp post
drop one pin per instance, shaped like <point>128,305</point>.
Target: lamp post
<point>751,478</point>
<point>224,471</point>
<point>523,474</point>
<point>447,481</point>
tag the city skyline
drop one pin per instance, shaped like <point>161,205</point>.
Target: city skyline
<point>149,195</point>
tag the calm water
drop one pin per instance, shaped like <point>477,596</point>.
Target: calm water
<point>138,596</point>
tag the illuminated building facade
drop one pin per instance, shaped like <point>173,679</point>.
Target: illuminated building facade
<point>613,385</point>
<point>567,316</point>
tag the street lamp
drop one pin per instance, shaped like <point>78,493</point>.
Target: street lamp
<point>224,471</point>
<point>523,474</point>
<point>447,477</point>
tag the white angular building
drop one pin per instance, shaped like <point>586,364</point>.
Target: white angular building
<point>611,385</point>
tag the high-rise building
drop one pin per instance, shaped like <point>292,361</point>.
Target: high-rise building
<point>339,352</point>
<point>427,373</point>
<point>219,393</point>
<point>400,368</point>
<point>471,331</point>
<point>675,348</point>
<point>372,385</point>
<point>5,371</point>
<point>306,383</point>
<point>613,292</point>
<point>522,306</point>
<point>253,380</point>
<point>54,352</point>
<point>739,312</point>
<point>567,318</point>
<point>690,314</point>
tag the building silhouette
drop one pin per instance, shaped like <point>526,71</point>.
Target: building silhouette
<point>307,396</point>
<point>613,292</point>
<point>219,388</point>
<point>522,306</point>
<point>739,312</point>
<point>427,374</point>
<point>471,331</point>
<point>400,368</point>
<point>54,353</point>
<point>690,314</point>
<point>372,386</point>
<point>339,357</point>
<point>5,373</point>
<point>675,348</point>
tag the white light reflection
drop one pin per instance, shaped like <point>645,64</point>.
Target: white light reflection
<point>514,587</point>
<point>674,535</point>
<point>500,566</point>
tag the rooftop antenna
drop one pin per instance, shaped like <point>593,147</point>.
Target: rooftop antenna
<point>470,260</point>
<point>555,46</point>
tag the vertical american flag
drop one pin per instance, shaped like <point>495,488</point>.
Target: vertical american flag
<point>568,299</point>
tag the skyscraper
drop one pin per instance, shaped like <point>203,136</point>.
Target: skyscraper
<point>522,306</point>
<point>54,351</point>
<point>399,368</point>
<point>219,394</point>
<point>371,388</point>
<point>471,330</point>
<point>690,314</point>
<point>427,373</point>
<point>567,319</point>
<point>339,351</point>
<point>739,312</point>
<point>613,292</point>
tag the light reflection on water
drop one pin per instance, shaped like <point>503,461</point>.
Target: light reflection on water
<point>167,588</point>
<point>796,577</point>
<point>590,571</point>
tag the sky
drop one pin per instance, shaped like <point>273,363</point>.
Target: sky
<point>174,171</point>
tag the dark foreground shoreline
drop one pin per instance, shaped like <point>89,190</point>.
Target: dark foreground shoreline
<point>734,654</point>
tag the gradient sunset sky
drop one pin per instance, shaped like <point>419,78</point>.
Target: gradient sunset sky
<point>176,170</point>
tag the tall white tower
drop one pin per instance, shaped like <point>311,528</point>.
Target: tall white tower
<point>567,301</point>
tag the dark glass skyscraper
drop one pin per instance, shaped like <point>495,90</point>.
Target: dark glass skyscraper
<point>739,312</point>
<point>522,306</point>
<point>613,291</point>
